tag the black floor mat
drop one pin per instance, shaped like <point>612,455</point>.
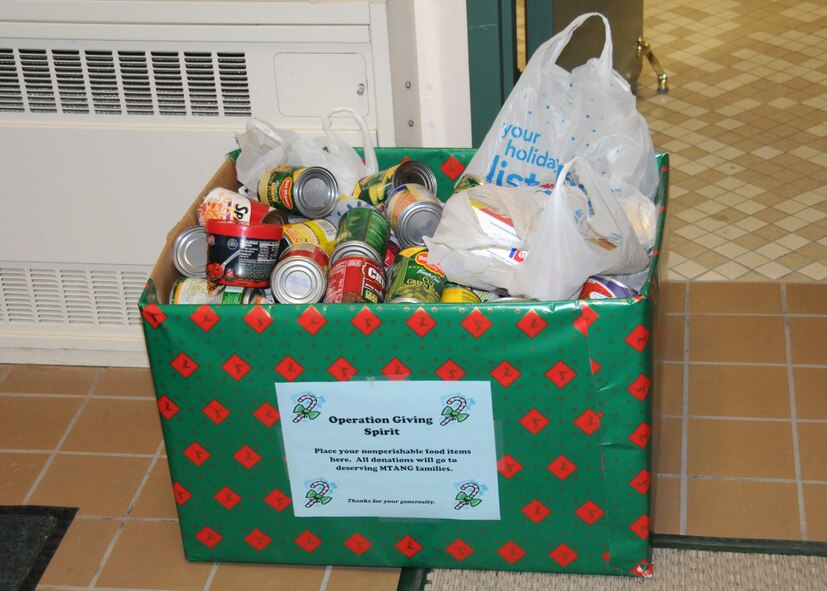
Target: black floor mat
<point>29,537</point>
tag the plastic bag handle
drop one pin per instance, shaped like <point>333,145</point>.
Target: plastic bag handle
<point>586,176</point>
<point>554,47</point>
<point>367,142</point>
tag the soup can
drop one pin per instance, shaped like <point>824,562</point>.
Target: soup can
<point>223,204</point>
<point>240,253</point>
<point>300,276</point>
<point>454,293</point>
<point>189,252</point>
<point>414,280</point>
<point>191,290</point>
<point>601,287</point>
<point>413,212</point>
<point>311,192</point>
<point>319,232</point>
<point>375,189</point>
<point>355,279</point>
<point>363,231</point>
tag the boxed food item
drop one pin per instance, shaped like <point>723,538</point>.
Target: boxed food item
<point>504,436</point>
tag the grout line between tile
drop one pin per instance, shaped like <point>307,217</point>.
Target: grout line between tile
<point>742,479</point>
<point>104,454</point>
<point>70,396</point>
<point>5,373</point>
<point>736,418</point>
<point>802,512</point>
<point>326,578</point>
<point>684,494</point>
<point>115,538</point>
<point>210,577</point>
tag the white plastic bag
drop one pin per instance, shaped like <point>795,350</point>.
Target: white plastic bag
<point>263,147</point>
<point>553,115</point>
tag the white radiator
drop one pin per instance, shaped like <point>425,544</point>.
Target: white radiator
<point>113,114</point>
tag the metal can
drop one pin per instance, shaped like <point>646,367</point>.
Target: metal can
<point>600,287</point>
<point>311,192</point>
<point>468,181</point>
<point>413,212</point>
<point>362,231</point>
<point>275,216</point>
<point>223,204</point>
<point>319,232</point>
<point>189,252</point>
<point>414,280</point>
<point>240,253</point>
<point>455,293</point>
<point>390,253</point>
<point>375,189</point>
<point>300,276</point>
<point>192,290</point>
<point>355,280</point>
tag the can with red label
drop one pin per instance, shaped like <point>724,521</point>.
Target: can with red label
<point>300,276</point>
<point>355,280</point>
<point>414,280</point>
<point>311,192</point>
<point>600,287</point>
<point>240,253</point>
<point>223,204</point>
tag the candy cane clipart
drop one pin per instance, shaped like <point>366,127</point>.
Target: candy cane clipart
<point>454,414</point>
<point>318,496</point>
<point>303,411</point>
<point>467,498</point>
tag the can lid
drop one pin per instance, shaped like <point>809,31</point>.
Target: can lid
<point>316,192</point>
<point>356,249</point>
<point>189,252</point>
<point>412,171</point>
<point>418,220</point>
<point>244,229</point>
<point>298,281</point>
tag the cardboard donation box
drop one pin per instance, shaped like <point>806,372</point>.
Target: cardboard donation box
<point>504,436</point>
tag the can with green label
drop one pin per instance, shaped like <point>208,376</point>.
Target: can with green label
<point>376,188</point>
<point>363,231</point>
<point>311,192</point>
<point>414,280</point>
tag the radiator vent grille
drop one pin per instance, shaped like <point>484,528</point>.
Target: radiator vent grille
<point>70,296</point>
<point>104,82</point>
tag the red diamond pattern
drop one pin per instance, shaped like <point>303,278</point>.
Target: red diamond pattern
<point>420,322</point>
<point>640,527</point>
<point>562,467</point>
<point>476,323</point>
<point>396,370</point>
<point>153,315</point>
<point>267,414</point>
<point>408,546</point>
<point>258,539</point>
<point>289,368</point>
<point>450,371</point>
<point>595,366</point>
<point>342,370</point>
<point>167,408</point>
<point>534,421</point>
<point>536,511</point>
<point>585,320</point>
<point>563,555</point>
<point>227,497</point>
<point>638,338</point>
<point>358,544</point>
<point>196,453</point>
<point>181,494</point>
<point>258,319</point>
<point>208,536</point>
<point>311,320</point>
<point>642,481</point>
<point>205,318</point>
<point>184,365</point>
<point>508,466</point>
<point>532,323</point>
<point>459,549</point>
<point>640,387</point>
<point>452,168</point>
<point>277,500</point>
<point>236,367</point>
<point>247,456</point>
<point>505,373</point>
<point>589,421</point>
<point>307,541</point>
<point>640,436</point>
<point>366,321</point>
<point>511,552</point>
<point>560,374</point>
<point>589,512</point>
<point>216,412</point>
